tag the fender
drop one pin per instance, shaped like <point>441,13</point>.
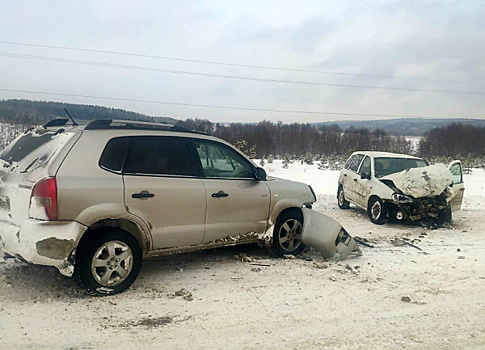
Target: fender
<point>115,211</point>
<point>281,206</point>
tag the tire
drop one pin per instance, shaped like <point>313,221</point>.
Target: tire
<point>107,263</point>
<point>377,211</point>
<point>287,233</point>
<point>445,217</point>
<point>342,202</point>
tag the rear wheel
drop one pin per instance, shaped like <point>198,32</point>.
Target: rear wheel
<point>342,202</point>
<point>377,211</point>
<point>287,233</point>
<point>108,263</point>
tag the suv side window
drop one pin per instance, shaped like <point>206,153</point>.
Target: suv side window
<point>365,167</point>
<point>220,161</point>
<point>155,155</point>
<point>114,154</point>
<point>354,162</point>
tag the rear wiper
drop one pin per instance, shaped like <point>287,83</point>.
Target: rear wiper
<point>28,167</point>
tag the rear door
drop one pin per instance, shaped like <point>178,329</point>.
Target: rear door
<point>162,187</point>
<point>360,186</point>
<point>456,171</point>
<point>237,203</point>
<point>350,177</point>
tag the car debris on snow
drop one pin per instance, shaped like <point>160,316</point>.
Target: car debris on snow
<point>327,236</point>
<point>184,293</point>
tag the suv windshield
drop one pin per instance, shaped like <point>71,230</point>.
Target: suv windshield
<point>386,166</point>
<point>34,148</point>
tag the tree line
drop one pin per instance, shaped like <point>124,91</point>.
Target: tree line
<point>455,141</point>
<point>299,140</point>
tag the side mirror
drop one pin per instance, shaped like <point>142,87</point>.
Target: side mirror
<point>365,175</point>
<point>260,174</point>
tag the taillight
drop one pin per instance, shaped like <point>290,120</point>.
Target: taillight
<point>44,198</point>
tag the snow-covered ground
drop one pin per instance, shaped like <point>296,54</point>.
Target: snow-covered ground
<point>392,297</point>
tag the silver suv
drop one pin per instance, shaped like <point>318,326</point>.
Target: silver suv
<point>94,200</point>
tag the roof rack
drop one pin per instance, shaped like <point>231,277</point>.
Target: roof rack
<point>104,124</point>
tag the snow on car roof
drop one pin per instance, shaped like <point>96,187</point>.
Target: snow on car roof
<point>376,154</point>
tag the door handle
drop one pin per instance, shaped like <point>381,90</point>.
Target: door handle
<point>143,195</point>
<point>220,194</point>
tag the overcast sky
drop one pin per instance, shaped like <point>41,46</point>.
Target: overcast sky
<point>382,45</point>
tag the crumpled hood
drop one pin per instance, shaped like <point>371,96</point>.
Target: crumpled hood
<point>422,182</point>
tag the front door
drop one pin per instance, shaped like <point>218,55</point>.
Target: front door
<point>237,203</point>
<point>458,185</point>
<point>163,188</point>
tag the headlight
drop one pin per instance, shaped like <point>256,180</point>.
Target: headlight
<point>401,198</point>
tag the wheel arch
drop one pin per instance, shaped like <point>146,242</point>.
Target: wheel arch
<point>284,210</point>
<point>122,224</point>
<point>371,197</point>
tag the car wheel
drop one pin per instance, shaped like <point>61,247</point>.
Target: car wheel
<point>342,202</point>
<point>445,216</point>
<point>287,233</point>
<point>108,263</point>
<point>377,211</point>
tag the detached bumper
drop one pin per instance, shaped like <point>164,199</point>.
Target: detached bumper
<point>42,242</point>
<point>327,236</point>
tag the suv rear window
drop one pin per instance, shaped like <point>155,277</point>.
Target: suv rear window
<point>114,154</point>
<point>159,156</point>
<point>34,148</point>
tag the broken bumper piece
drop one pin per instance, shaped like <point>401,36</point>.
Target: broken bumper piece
<point>327,236</point>
<point>43,243</point>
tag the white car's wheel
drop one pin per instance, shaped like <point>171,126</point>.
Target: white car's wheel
<point>377,211</point>
<point>342,202</point>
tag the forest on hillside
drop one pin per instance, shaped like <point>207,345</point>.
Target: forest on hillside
<point>40,112</point>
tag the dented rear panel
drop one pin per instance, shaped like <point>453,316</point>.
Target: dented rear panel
<point>28,159</point>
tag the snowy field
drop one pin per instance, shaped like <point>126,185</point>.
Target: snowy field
<point>392,297</point>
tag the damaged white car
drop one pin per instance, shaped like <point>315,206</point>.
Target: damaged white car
<point>94,200</point>
<point>390,185</point>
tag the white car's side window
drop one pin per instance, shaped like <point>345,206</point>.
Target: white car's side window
<point>354,162</point>
<point>365,167</point>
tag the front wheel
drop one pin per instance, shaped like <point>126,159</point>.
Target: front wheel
<point>287,233</point>
<point>107,263</point>
<point>377,211</point>
<point>445,217</point>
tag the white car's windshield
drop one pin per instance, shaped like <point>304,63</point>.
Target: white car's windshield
<point>385,166</point>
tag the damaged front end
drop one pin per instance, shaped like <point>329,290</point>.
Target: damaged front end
<point>420,194</point>
<point>327,236</point>
<point>402,207</point>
